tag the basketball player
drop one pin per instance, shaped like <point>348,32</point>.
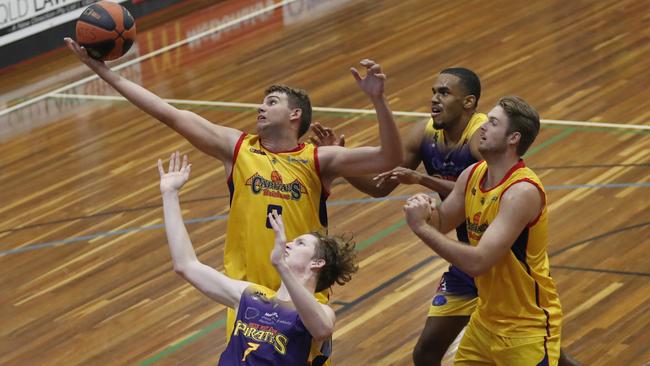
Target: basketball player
<point>446,144</point>
<point>272,327</point>
<point>270,170</point>
<point>518,317</point>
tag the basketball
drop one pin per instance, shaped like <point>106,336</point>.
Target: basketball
<point>106,30</point>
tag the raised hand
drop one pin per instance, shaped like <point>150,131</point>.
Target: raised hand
<point>178,173</point>
<point>400,174</point>
<point>82,54</point>
<point>324,136</point>
<point>280,248</point>
<point>418,209</point>
<point>373,83</point>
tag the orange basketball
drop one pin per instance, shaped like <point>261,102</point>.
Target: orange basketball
<point>106,30</point>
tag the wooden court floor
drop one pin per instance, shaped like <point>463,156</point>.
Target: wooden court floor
<point>86,274</point>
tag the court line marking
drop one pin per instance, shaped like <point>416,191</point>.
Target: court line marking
<point>77,239</point>
<point>147,56</point>
<point>338,110</point>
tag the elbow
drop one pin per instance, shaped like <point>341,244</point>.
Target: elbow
<point>392,160</point>
<point>377,194</point>
<point>180,270</point>
<point>323,334</point>
<point>472,272</point>
<point>476,269</point>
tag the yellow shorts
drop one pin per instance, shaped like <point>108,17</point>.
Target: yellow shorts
<point>479,346</point>
<point>446,304</point>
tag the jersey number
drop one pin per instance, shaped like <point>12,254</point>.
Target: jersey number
<point>269,209</point>
<point>251,347</point>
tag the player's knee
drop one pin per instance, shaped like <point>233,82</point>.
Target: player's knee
<point>427,354</point>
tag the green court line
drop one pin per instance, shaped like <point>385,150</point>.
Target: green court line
<point>167,351</point>
<point>360,246</point>
<point>387,231</point>
<point>561,136</point>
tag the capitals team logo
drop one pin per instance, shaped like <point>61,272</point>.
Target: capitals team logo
<point>474,227</point>
<point>275,187</point>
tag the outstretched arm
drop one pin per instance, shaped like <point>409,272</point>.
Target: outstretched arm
<point>214,140</point>
<point>211,282</point>
<point>337,161</point>
<point>318,318</point>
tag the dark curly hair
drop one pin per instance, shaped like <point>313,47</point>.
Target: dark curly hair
<point>340,260</point>
<point>298,98</point>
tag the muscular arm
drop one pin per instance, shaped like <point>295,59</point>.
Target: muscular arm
<point>337,161</point>
<point>519,206</point>
<point>214,140</point>
<point>368,185</point>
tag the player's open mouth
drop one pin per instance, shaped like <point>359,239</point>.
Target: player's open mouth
<point>435,111</point>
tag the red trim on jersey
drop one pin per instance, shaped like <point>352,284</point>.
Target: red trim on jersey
<point>520,164</point>
<point>471,172</point>
<point>297,148</point>
<point>234,155</point>
<point>532,223</point>
<point>317,165</point>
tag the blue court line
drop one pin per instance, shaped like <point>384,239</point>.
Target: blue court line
<point>77,239</point>
<point>221,217</point>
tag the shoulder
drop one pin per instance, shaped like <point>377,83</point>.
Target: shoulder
<point>523,195</point>
<point>475,122</point>
<point>420,132</point>
<point>255,290</point>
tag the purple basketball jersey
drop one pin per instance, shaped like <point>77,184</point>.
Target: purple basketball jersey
<point>266,332</point>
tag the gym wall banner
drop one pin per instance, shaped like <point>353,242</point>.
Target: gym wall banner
<point>22,18</point>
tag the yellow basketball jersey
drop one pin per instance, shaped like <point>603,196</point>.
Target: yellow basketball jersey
<point>438,135</point>
<point>262,181</point>
<point>517,296</point>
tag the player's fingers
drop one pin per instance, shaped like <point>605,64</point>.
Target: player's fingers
<point>177,161</point>
<point>382,175</point>
<point>161,170</point>
<point>366,62</point>
<point>355,73</point>
<point>184,163</point>
<point>170,168</point>
<point>342,141</point>
<point>274,225</point>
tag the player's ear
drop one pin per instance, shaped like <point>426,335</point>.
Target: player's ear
<point>296,113</point>
<point>514,138</point>
<point>317,263</point>
<point>469,102</point>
